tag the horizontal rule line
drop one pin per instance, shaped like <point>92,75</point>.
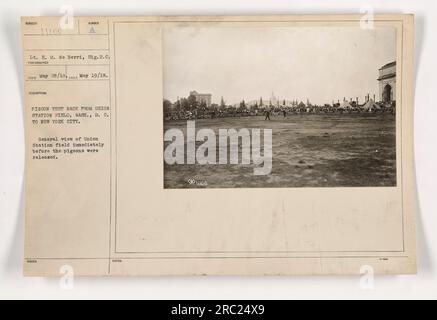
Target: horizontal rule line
<point>95,49</point>
<point>239,257</point>
<point>231,252</point>
<point>66,65</point>
<point>67,80</point>
<point>65,35</point>
<point>29,259</point>
<point>251,21</point>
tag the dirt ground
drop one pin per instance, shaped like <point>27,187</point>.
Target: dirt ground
<point>309,150</point>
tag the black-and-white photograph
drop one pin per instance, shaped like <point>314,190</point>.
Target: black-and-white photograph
<point>281,107</point>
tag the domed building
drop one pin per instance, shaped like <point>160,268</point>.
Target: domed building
<point>387,82</point>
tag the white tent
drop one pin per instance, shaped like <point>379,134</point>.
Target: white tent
<point>345,105</point>
<point>371,105</point>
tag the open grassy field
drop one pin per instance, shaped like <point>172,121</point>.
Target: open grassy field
<point>309,150</point>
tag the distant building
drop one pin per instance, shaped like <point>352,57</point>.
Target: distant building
<point>202,97</point>
<point>273,99</point>
<point>387,82</point>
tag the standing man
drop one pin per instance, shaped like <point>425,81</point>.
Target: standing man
<point>267,115</point>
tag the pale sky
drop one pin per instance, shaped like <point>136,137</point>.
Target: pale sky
<point>318,63</point>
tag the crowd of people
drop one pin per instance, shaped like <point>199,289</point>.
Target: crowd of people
<point>280,111</point>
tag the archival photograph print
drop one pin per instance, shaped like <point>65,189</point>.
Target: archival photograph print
<point>279,107</point>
